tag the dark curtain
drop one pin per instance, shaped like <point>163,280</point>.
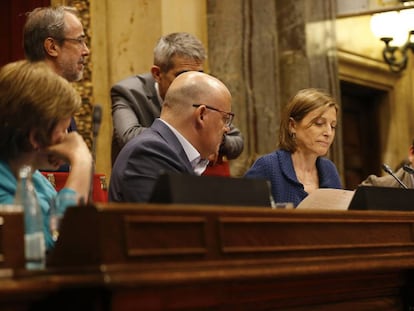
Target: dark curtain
<point>12,18</point>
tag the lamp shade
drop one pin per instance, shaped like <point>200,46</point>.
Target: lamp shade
<point>407,17</point>
<point>382,24</point>
<point>390,25</point>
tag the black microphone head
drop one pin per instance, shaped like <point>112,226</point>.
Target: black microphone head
<point>387,168</point>
<point>408,169</point>
<point>96,119</point>
<point>97,114</point>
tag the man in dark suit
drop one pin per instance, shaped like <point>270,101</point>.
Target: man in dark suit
<point>195,115</point>
<point>137,100</point>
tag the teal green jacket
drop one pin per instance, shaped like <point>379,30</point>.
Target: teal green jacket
<point>46,195</point>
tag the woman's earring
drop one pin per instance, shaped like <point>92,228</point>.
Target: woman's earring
<point>293,135</point>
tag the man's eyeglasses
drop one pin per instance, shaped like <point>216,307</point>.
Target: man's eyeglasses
<point>80,40</point>
<point>228,116</point>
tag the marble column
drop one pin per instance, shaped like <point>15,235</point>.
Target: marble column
<point>243,53</point>
<point>265,51</point>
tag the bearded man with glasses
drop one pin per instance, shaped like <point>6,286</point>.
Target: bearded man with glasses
<point>55,35</point>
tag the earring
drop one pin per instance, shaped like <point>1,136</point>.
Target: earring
<point>293,135</point>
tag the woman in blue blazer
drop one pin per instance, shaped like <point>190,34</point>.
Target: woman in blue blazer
<point>298,167</point>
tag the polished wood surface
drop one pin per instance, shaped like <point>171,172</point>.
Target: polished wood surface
<point>11,239</point>
<point>177,257</point>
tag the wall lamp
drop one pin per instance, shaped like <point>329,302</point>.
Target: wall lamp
<point>396,30</point>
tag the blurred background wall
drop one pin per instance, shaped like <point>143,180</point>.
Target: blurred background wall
<point>265,51</point>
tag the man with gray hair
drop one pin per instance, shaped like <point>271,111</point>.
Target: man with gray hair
<point>55,35</point>
<point>137,100</point>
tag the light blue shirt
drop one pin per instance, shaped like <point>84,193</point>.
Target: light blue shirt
<point>45,192</point>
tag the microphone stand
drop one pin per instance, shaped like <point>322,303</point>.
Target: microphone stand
<point>388,169</point>
<point>96,122</point>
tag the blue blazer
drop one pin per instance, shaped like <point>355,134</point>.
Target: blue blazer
<point>142,160</point>
<point>277,167</point>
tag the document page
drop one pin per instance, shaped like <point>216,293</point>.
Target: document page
<point>327,199</point>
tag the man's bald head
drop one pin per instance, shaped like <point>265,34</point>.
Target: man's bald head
<point>194,87</point>
<point>198,106</point>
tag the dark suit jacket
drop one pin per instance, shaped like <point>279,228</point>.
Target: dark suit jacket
<point>135,106</point>
<point>142,160</point>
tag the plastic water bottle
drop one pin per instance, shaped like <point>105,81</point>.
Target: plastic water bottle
<point>34,240</point>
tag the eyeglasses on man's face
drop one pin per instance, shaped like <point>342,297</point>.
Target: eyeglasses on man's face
<point>79,40</point>
<point>227,116</point>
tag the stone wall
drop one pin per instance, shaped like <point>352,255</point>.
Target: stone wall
<point>265,51</point>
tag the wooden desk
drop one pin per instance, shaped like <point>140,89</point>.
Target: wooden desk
<point>142,257</point>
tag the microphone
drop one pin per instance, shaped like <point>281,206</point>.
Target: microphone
<point>408,169</point>
<point>388,169</point>
<point>96,119</point>
<point>96,123</point>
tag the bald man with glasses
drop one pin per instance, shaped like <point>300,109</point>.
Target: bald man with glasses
<point>195,116</point>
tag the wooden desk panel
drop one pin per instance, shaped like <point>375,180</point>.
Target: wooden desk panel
<point>11,240</point>
<point>119,234</point>
<point>175,257</point>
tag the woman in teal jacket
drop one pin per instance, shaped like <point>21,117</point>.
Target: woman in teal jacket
<point>36,108</point>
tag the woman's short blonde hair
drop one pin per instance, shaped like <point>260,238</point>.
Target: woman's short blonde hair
<point>32,97</point>
<point>299,106</point>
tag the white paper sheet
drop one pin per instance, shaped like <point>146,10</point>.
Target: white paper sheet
<point>327,199</point>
